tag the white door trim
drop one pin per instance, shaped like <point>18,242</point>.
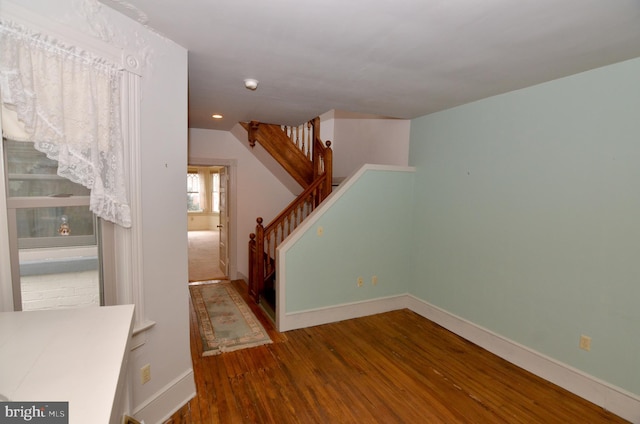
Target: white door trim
<point>232,166</point>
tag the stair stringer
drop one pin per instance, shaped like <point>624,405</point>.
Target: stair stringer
<point>267,160</point>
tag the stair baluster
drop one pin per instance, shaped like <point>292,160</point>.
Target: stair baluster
<point>311,166</point>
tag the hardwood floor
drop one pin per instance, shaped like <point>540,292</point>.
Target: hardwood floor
<point>395,367</point>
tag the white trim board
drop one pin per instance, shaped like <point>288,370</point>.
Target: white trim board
<point>609,397</point>
<point>601,393</point>
<point>162,405</point>
<point>313,317</point>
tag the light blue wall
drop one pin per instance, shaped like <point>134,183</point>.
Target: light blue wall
<point>367,232</point>
<point>527,219</point>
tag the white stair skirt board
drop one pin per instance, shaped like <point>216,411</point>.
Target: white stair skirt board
<point>609,397</point>
<point>319,316</point>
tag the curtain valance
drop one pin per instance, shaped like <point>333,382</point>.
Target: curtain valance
<point>67,102</point>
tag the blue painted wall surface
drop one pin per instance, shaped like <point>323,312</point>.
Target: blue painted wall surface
<point>527,217</point>
<point>367,232</point>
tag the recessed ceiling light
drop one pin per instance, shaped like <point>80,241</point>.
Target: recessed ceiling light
<point>216,116</point>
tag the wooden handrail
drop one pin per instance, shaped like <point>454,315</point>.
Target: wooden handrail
<point>319,162</point>
<point>267,239</point>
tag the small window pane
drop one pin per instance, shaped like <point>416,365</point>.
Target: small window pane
<point>193,193</point>
<point>215,198</point>
<point>193,202</point>
<point>55,227</point>
<point>31,173</point>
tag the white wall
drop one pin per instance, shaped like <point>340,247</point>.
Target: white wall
<point>203,221</point>
<point>163,150</point>
<point>258,192</point>
<point>358,139</point>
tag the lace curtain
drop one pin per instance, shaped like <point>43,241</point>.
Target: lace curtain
<point>67,102</point>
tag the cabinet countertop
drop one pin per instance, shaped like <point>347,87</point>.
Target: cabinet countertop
<point>75,355</point>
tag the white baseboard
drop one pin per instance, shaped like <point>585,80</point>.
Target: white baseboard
<point>609,397</point>
<point>312,317</point>
<point>601,393</point>
<point>159,408</point>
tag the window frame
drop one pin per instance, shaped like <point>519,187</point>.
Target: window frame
<point>215,190</point>
<point>199,192</point>
<point>54,200</point>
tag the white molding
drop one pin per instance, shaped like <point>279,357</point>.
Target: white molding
<point>60,32</point>
<point>609,397</point>
<point>134,157</point>
<point>168,400</point>
<point>128,241</point>
<point>312,317</point>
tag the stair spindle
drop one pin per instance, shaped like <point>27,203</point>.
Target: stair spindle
<point>311,168</point>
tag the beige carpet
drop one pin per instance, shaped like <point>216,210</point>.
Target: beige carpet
<point>204,263</point>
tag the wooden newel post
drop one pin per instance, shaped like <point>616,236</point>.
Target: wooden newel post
<point>258,264</point>
<point>252,255</point>
<point>315,124</point>
<point>328,169</point>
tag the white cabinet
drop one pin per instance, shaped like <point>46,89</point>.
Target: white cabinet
<point>75,355</point>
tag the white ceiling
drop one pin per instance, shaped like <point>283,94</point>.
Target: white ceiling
<point>403,58</point>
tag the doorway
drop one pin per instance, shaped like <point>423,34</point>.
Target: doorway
<point>208,222</point>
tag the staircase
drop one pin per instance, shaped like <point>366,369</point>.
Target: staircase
<point>301,152</point>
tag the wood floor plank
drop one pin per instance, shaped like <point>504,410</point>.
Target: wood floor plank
<point>395,367</point>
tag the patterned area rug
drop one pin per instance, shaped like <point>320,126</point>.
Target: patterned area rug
<point>226,322</point>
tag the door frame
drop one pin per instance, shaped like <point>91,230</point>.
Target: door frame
<point>232,166</point>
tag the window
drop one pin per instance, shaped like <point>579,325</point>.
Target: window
<point>203,189</point>
<point>54,238</point>
<point>47,206</point>
<point>193,192</point>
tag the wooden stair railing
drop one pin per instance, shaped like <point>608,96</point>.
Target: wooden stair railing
<point>264,242</point>
<point>299,150</point>
<point>296,149</point>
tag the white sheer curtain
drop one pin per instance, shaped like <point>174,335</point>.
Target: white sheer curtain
<point>67,102</point>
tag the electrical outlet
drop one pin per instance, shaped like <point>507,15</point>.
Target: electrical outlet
<point>145,374</point>
<point>374,280</point>
<point>360,282</point>
<point>585,342</point>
